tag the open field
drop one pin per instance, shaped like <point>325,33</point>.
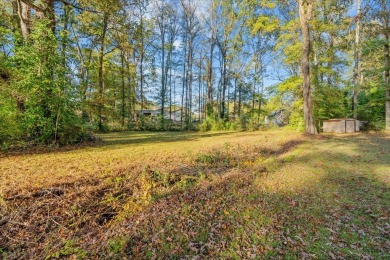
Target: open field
<point>273,194</point>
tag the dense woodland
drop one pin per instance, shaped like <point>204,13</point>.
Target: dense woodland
<point>71,67</point>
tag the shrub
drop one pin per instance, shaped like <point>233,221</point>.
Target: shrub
<point>9,128</point>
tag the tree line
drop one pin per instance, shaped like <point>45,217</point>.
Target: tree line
<point>71,66</point>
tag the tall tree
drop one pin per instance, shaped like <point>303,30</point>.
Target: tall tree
<point>356,69</point>
<point>386,35</point>
<point>305,15</point>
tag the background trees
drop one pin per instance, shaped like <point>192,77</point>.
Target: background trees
<point>67,67</point>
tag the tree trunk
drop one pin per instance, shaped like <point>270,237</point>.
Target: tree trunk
<point>162,31</point>
<point>210,82</point>
<point>24,12</point>
<point>224,84</point>
<point>239,99</point>
<point>330,62</point>
<point>168,74</point>
<point>183,83</point>
<point>170,87</point>
<point>123,88</point>
<point>356,70</point>
<point>142,54</point>
<point>65,39</point>
<point>387,62</point>
<point>131,83</point>
<point>235,96</point>
<point>261,92</point>
<point>100,81</point>
<point>190,78</point>
<point>305,14</point>
<point>199,87</point>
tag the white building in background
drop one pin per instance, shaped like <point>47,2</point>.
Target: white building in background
<point>174,115</point>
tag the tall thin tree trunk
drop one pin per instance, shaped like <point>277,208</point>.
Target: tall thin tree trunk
<point>227,96</point>
<point>224,84</point>
<point>261,91</point>
<point>123,89</point>
<point>356,70</point>
<point>253,95</point>
<point>65,36</point>
<point>330,62</point>
<point>142,54</point>
<point>305,14</point>
<point>24,13</point>
<point>170,89</point>
<point>235,96</point>
<point>200,86</point>
<point>163,86</point>
<point>169,75</point>
<point>100,73</point>
<point>239,99</point>
<point>210,81</point>
<point>183,84</point>
<point>190,79</point>
<point>130,96</point>
<point>387,62</point>
<point>131,83</point>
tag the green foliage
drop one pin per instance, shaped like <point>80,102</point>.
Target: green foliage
<point>330,102</point>
<point>9,128</point>
<point>117,244</point>
<point>218,124</point>
<point>296,118</point>
<point>69,249</point>
<point>265,24</point>
<point>289,97</point>
<point>292,85</point>
<point>371,106</point>
<point>150,124</point>
<point>58,84</point>
<point>206,125</point>
<point>48,113</point>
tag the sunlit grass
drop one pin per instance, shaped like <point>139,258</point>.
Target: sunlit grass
<point>220,195</point>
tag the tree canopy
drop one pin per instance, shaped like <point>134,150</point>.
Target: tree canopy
<point>69,67</point>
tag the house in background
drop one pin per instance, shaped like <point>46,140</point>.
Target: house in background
<point>174,115</point>
<point>148,113</point>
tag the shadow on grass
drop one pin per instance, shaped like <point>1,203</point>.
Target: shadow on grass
<point>127,138</point>
<point>84,208</point>
<point>344,214</point>
<point>116,140</point>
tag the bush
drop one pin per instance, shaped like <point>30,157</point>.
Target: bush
<point>9,128</point>
<point>218,125</point>
<point>376,126</point>
<point>206,125</point>
<point>74,134</point>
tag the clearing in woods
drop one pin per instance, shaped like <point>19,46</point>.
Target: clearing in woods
<point>221,194</point>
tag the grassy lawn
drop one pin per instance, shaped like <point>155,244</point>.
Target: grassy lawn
<point>272,194</point>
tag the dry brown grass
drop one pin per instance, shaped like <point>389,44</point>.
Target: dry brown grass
<point>222,195</point>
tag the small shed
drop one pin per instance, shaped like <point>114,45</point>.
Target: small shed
<point>341,125</point>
